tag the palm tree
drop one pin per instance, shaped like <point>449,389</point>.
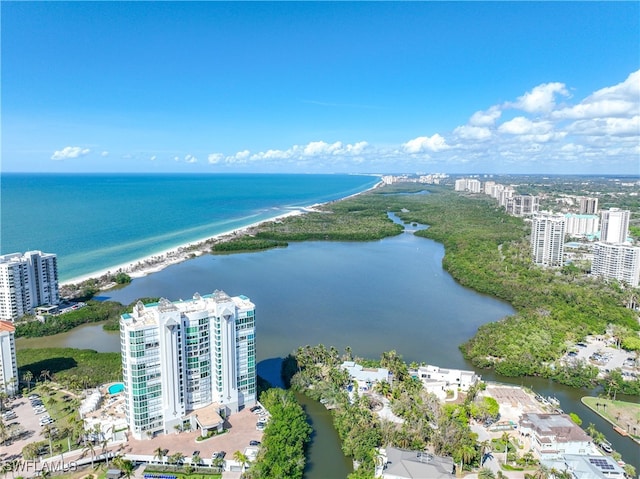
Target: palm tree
<point>28,376</point>
<point>91,448</point>
<point>241,458</point>
<point>527,457</point>
<point>176,459</point>
<point>486,473</point>
<point>196,459</point>
<point>505,438</point>
<point>159,453</point>
<point>484,447</point>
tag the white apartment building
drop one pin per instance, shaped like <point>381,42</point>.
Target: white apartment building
<point>8,365</point>
<point>488,187</point>
<point>188,364</point>
<point>588,206</point>
<point>27,281</point>
<point>582,225</point>
<point>504,194</point>
<point>468,184</point>
<point>614,225</point>
<point>547,239</point>
<point>522,205</point>
<point>553,435</point>
<point>617,261</point>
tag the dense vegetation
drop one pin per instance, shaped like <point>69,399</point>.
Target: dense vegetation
<point>93,312</point>
<point>488,251</point>
<point>285,438</point>
<point>316,373</point>
<point>361,218</point>
<point>73,368</point>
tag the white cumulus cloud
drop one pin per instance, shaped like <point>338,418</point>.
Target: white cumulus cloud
<point>523,126</point>
<point>424,144</point>
<point>215,158</point>
<point>190,159</point>
<point>70,152</point>
<point>487,117</point>
<point>540,98</point>
<point>621,100</point>
<point>470,132</point>
<point>104,153</point>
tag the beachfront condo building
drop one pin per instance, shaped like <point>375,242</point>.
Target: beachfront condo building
<point>27,281</point>
<point>614,225</point>
<point>188,364</point>
<point>547,239</point>
<point>582,225</point>
<point>620,262</point>
<point>8,364</point>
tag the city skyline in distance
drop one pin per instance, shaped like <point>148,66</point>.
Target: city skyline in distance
<point>315,87</point>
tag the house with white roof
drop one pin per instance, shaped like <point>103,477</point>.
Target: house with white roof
<point>438,381</point>
<point>365,377</point>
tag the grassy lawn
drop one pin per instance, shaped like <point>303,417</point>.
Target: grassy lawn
<point>624,414</point>
<point>169,471</point>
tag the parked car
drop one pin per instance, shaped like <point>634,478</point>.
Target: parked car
<point>218,455</point>
<point>606,447</point>
<point>260,425</point>
<point>253,442</point>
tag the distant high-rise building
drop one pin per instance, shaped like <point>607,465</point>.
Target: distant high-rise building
<point>26,281</point>
<point>468,184</point>
<point>8,364</point>
<point>588,206</point>
<point>582,225</point>
<point>188,364</point>
<point>488,187</point>
<point>617,261</point>
<point>547,239</point>
<point>614,225</point>
<point>522,205</point>
<point>504,195</point>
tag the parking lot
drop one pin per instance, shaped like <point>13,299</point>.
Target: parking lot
<point>26,421</point>
<point>601,352</point>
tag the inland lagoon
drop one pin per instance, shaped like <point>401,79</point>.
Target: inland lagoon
<point>372,296</point>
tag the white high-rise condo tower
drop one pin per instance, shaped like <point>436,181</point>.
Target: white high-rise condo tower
<point>27,281</point>
<point>547,239</point>
<point>614,225</point>
<point>617,261</point>
<point>188,364</point>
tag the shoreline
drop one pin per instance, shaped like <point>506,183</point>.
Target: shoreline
<point>156,262</point>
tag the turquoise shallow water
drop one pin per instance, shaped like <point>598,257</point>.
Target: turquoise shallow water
<point>94,222</point>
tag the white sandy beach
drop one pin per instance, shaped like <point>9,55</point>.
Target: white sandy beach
<point>158,261</point>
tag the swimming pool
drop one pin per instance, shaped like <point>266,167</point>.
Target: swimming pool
<point>116,388</point>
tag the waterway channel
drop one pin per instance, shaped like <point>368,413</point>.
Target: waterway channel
<point>372,296</point>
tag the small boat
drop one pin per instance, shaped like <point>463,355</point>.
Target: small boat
<point>553,400</point>
<point>620,431</point>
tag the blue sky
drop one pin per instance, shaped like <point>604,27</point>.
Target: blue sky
<point>460,87</point>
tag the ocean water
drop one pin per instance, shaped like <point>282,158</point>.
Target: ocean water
<point>95,222</point>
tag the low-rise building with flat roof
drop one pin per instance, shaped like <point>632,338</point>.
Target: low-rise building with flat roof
<point>365,377</point>
<point>438,381</point>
